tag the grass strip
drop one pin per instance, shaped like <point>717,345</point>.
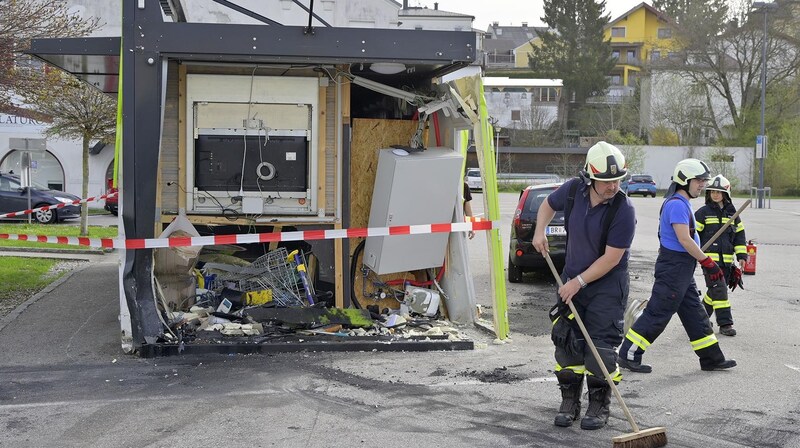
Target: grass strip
<point>51,230</point>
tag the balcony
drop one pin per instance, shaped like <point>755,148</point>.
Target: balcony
<point>614,95</point>
<point>497,60</point>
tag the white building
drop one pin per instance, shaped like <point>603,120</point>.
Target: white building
<point>522,103</point>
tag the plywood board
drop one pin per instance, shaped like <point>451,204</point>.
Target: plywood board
<point>370,135</point>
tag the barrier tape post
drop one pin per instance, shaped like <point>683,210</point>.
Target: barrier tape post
<point>245,238</point>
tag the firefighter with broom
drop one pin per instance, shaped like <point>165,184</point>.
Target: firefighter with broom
<point>600,222</point>
<point>674,290</point>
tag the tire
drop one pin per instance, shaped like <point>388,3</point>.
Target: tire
<point>514,272</point>
<point>45,216</point>
<point>654,195</point>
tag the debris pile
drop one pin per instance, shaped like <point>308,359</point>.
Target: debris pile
<point>273,300</point>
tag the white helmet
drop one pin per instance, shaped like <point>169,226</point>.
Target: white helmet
<point>605,162</point>
<point>688,169</point>
<point>720,183</point>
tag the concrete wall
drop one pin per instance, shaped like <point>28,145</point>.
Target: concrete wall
<point>660,162</point>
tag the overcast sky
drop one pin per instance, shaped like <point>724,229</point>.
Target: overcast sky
<point>511,12</point>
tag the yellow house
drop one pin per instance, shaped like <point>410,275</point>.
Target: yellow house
<point>638,36</point>
<point>523,52</point>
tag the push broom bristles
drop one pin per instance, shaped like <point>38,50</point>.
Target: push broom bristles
<point>646,438</point>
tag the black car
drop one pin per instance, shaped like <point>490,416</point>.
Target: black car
<point>522,257</point>
<point>14,198</point>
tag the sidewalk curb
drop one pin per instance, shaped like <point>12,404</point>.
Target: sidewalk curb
<point>10,317</point>
<point>47,250</point>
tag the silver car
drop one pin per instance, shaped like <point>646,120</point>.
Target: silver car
<point>473,179</point>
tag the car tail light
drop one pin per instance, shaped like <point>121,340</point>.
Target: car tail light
<point>519,252</point>
<point>518,211</point>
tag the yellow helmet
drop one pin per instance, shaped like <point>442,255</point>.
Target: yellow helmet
<point>605,162</point>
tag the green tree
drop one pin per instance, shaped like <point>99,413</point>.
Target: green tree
<point>573,50</point>
<point>21,21</point>
<point>721,48</point>
<point>78,111</point>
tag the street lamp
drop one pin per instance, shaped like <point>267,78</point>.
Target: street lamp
<point>765,8</point>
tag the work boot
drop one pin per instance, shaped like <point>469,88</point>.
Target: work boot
<point>571,387</point>
<point>727,330</point>
<point>634,366</point>
<point>599,398</point>
<point>722,365</point>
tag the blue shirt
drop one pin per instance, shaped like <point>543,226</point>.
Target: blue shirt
<point>676,210</point>
<point>586,228</point>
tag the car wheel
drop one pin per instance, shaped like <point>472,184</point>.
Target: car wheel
<point>45,216</point>
<point>654,195</point>
<point>514,272</point>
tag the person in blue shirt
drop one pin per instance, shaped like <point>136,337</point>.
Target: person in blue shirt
<point>600,223</point>
<point>675,290</point>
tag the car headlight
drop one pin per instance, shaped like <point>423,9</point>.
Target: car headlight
<point>64,200</point>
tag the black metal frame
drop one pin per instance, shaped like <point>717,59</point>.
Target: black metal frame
<point>149,42</point>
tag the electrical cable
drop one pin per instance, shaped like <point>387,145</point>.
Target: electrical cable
<point>353,267</point>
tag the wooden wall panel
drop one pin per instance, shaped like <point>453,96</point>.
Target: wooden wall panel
<point>370,135</point>
<point>169,160</point>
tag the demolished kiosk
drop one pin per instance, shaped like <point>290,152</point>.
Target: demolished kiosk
<point>279,132</point>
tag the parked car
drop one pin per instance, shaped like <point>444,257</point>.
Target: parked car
<point>14,198</point>
<point>522,257</point>
<point>473,179</point>
<point>112,204</point>
<point>642,184</point>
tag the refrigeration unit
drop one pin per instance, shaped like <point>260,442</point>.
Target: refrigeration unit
<point>252,147</point>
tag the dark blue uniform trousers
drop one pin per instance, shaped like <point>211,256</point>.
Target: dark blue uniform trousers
<point>601,306</point>
<point>674,291</point>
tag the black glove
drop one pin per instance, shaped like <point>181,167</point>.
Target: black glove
<point>712,271</point>
<point>735,278</point>
<point>564,333</point>
<point>742,257</point>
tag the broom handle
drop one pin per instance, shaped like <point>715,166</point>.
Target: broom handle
<point>593,348</point>
<point>726,225</point>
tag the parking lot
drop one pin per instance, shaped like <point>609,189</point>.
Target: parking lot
<point>64,381</point>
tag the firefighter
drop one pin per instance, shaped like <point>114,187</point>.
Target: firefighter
<point>600,223</point>
<point>674,290</point>
<point>727,247</point>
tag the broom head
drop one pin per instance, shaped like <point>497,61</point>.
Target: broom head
<point>646,438</point>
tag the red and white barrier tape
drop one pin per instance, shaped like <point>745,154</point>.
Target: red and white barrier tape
<point>61,205</point>
<point>307,235</point>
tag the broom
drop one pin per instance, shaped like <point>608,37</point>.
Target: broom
<point>645,438</point>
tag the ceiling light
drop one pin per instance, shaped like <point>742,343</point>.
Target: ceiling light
<point>387,68</point>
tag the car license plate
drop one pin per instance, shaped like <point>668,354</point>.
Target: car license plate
<point>556,230</point>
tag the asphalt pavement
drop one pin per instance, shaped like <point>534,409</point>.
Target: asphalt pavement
<point>65,382</point>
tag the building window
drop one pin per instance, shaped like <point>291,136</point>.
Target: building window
<point>617,31</point>
<point>655,55</point>
<point>616,80</point>
<point>515,115</point>
<point>615,54</point>
<point>631,55</point>
<point>665,33</point>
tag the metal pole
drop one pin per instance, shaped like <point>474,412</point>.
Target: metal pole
<point>763,102</point>
<point>497,149</point>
